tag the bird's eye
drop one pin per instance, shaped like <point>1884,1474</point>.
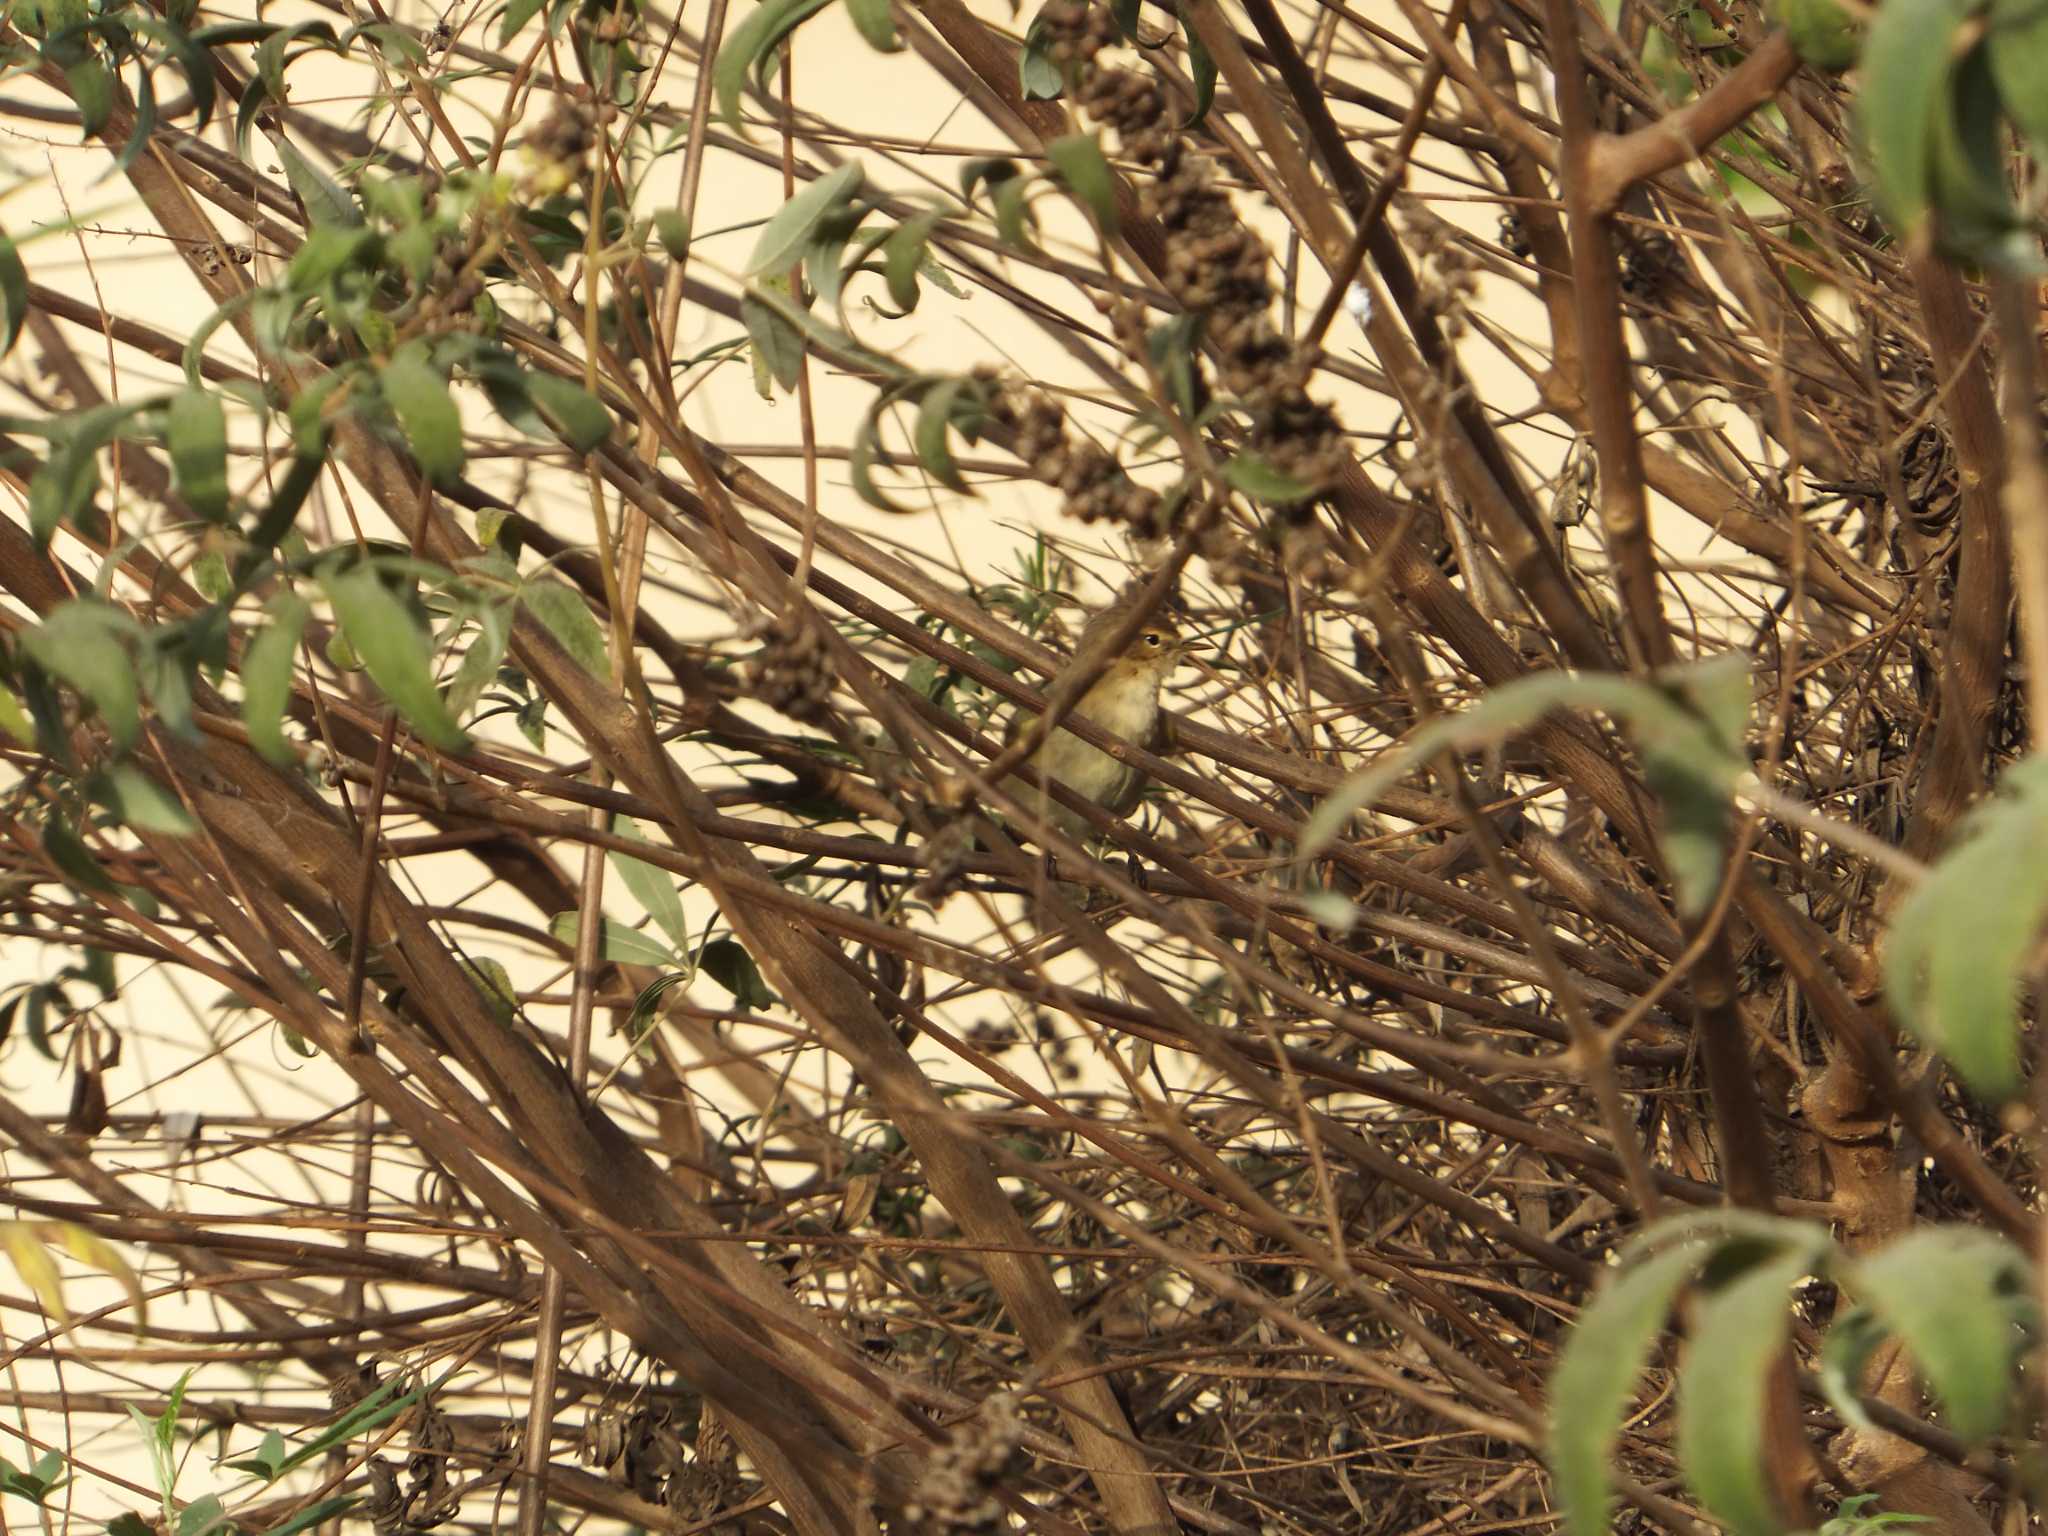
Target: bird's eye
<point>1152,640</point>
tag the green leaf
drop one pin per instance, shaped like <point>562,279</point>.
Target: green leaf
<point>1905,79</point>
<point>394,650</point>
<point>84,643</point>
<point>1258,479</point>
<point>494,985</point>
<point>1956,948</point>
<point>1738,1332</point>
<point>419,397</point>
<point>316,1514</point>
<point>1596,1376</point>
<point>2017,45</point>
<point>778,347</point>
<point>1975,216</point>
<point>203,1515</point>
<point>327,251</point>
<point>1687,725</point>
<point>934,422</point>
<point>902,253</point>
<point>517,14</point>
<point>1038,72</point>
<point>196,431</point>
<point>1957,1297</point>
<point>616,942</point>
<point>569,619</point>
<point>267,667</point>
<point>747,49</point>
<point>653,888</point>
<point>1843,1354</point>
<point>91,85</point>
<point>67,850</point>
<point>143,803</point>
<point>479,668</point>
<point>14,721</point>
<point>64,487</point>
<point>673,230</point>
<point>1078,159</point>
<point>783,237</point>
<point>327,202</point>
<point>267,1461</point>
<point>572,412</point>
<point>13,294</point>
<point>727,962</point>
<point>876,24</point>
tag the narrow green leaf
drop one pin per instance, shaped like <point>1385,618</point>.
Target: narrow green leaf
<point>91,85</point>
<point>1957,1297</point>
<point>934,422</point>
<point>616,942</point>
<point>1257,478</point>
<point>64,487</point>
<point>394,650</point>
<point>1738,1332</point>
<point>653,888</point>
<point>68,851</point>
<point>876,24</point>
<point>13,294</point>
<point>196,431</point>
<point>143,803</point>
<point>517,14</point>
<point>1843,1355</point>
<point>572,412</point>
<point>1905,74</point>
<point>479,668</point>
<point>1665,717</point>
<point>327,251</point>
<point>327,201</point>
<point>569,619</point>
<point>747,47</point>
<point>316,1514</point>
<point>267,667</point>
<point>784,236</point>
<point>1079,160</point>
<point>83,643</point>
<point>419,397</point>
<point>2017,45</point>
<point>777,345</point>
<point>1596,1376</point>
<point>14,721</point>
<point>902,253</point>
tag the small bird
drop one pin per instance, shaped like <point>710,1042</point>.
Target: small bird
<point>1124,701</point>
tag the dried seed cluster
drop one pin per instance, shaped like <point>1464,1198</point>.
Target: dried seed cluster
<point>791,671</point>
<point>1095,485</point>
<point>957,1491</point>
<point>1217,269</point>
<point>1214,264</point>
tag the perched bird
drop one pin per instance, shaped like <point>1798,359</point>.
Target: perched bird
<point>1124,701</point>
